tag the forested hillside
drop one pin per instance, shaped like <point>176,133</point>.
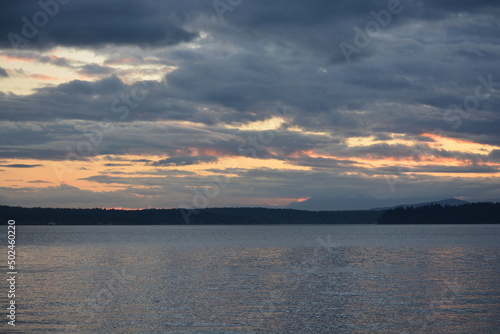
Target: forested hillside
<point>472,213</point>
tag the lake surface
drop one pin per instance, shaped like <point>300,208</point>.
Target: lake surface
<point>257,279</point>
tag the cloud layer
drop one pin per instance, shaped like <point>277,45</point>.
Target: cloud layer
<point>356,103</point>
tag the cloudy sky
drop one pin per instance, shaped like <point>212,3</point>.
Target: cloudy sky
<point>202,103</point>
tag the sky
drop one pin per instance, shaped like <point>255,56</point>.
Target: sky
<point>203,103</point>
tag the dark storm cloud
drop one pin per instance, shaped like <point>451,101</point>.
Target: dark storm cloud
<point>92,24</point>
<point>393,84</point>
<point>106,87</point>
<point>324,163</point>
<point>321,26</point>
<point>261,14</point>
<point>54,140</point>
<point>3,73</point>
<point>73,100</point>
<point>93,69</point>
<point>494,155</point>
<point>158,171</point>
<point>42,154</point>
<point>108,98</point>
<point>35,57</point>
<point>20,166</point>
<point>184,161</point>
<point>240,77</point>
<point>117,165</point>
<point>149,23</point>
<point>441,169</point>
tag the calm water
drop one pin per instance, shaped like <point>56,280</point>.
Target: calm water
<point>257,279</point>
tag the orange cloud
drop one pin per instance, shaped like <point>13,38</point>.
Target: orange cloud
<point>17,58</point>
<point>458,145</point>
<point>370,161</point>
<point>42,77</point>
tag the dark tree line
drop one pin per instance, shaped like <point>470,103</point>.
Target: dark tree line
<point>215,216</point>
<point>471,213</point>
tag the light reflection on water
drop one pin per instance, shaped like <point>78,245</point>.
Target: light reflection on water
<point>259,279</point>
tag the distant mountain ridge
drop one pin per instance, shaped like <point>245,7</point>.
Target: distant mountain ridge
<point>444,202</point>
